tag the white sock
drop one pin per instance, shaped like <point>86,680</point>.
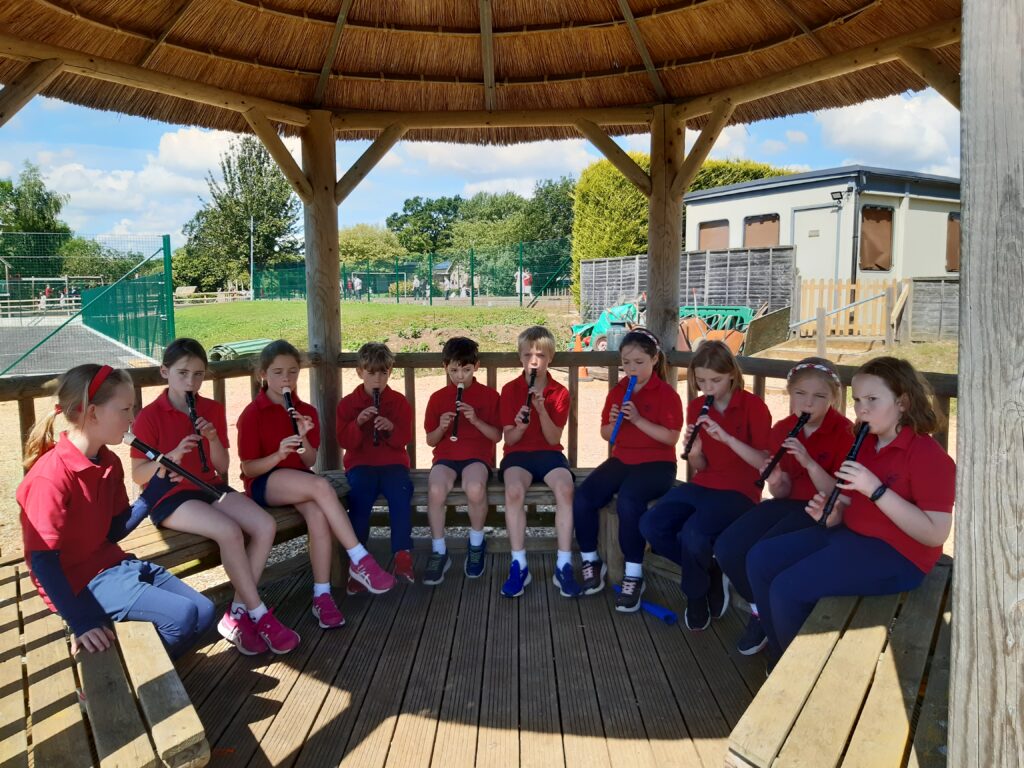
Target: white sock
<point>753,610</point>
<point>258,612</point>
<point>563,559</point>
<point>438,547</point>
<point>476,538</point>
<point>357,553</point>
<point>321,589</point>
<point>237,609</point>
<point>635,570</point>
<point>589,557</point>
<point>519,555</point>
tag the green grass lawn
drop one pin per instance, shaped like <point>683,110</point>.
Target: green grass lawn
<point>404,327</point>
<point>931,356</point>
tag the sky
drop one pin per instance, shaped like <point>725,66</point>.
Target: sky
<point>132,175</point>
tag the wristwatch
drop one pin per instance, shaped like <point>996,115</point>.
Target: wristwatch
<point>878,492</point>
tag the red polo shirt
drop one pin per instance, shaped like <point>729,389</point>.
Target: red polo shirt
<point>162,426</point>
<point>918,469</point>
<point>262,426</point>
<point>358,440</point>
<point>472,443</point>
<point>746,418</point>
<point>827,445</point>
<point>67,503</point>
<point>556,403</point>
<point>657,402</point>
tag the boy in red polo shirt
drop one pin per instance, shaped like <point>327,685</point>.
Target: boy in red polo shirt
<point>461,424</point>
<point>643,429</point>
<point>534,409</point>
<point>726,455</point>
<point>374,427</point>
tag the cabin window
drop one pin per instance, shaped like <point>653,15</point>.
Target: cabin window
<point>875,238</point>
<point>761,231</point>
<point>713,235</point>
<point>953,242</point>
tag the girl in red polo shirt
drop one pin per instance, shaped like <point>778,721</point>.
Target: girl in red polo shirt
<point>277,448</point>
<point>74,510</point>
<point>887,532</point>
<point>202,448</point>
<point>642,468</point>
<point>726,457</point>
<point>807,468</point>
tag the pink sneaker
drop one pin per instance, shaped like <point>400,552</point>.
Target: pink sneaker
<point>403,566</point>
<point>354,587</point>
<point>327,613</point>
<point>370,575</point>
<point>277,636</point>
<point>241,632</point>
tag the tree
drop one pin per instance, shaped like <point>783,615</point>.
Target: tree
<point>425,226</point>
<point>252,188</point>
<point>83,257</point>
<point>29,206</point>
<point>366,243</point>
<point>548,214</point>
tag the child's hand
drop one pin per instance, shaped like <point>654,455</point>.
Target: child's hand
<point>630,413</point>
<point>854,476</point>
<point>798,451</point>
<point>187,444</point>
<point>305,424</point>
<point>816,506</point>
<point>384,424</point>
<point>468,411</point>
<point>775,475</point>
<point>96,639</point>
<point>613,413</point>
<point>365,415</point>
<point>522,416</point>
<point>697,444</point>
<point>207,430</point>
<point>290,444</point>
<point>713,429</point>
<point>446,420</point>
<point>538,399</point>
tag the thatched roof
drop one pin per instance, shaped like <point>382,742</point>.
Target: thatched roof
<point>430,55</point>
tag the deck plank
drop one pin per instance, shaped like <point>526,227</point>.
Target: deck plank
<point>729,629</point>
<point>13,715</point>
<point>931,739</point>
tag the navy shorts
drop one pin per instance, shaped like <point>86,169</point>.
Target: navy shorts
<point>537,463</point>
<point>258,489</point>
<point>169,505</point>
<point>461,464</point>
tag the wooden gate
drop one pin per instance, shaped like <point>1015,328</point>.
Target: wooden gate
<point>869,318</point>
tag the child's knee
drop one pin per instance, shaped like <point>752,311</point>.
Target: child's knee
<point>265,527</point>
<point>476,490</point>
<point>515,493</point>
<point>206,614</point>
<point>322,488</point>
<point>230,535</point>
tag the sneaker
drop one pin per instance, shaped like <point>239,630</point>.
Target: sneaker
<point>368,573</point>
<point>566,582</point>
<point>241,632</point>
<point>753,639</point>
<point>437,567</point>
<point>697,615</point>
<point>403,566</point>
<point>327,613</point>
<point>279,638</point>
<point>518,578</point>
<point>593,573</point>
<point>354,587</point>
<point>476,560</point>
<point>718,593</point>
<point>628,599</point>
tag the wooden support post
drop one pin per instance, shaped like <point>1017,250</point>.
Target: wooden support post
<point>987,686</point>
<point>701,148</point>
<point>267,134</point>
<point>927,65</point>
<point>615,155</point>
<point>665,236</point>
<point>373,154</point>
<point>331,53</point>
<point>323,308</point>
<point>641,48</point>
<point>890,310</point>
<point>487,54</point>
<point>19,92</point>
<point>820,330</point>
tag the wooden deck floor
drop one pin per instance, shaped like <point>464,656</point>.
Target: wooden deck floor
<point>458,676</point>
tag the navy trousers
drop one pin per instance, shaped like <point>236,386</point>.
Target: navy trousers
<point>683,527</point>
<point>768,519</point>
<point>790,573</point>
<point>365,485</point>
<point>636,485</point>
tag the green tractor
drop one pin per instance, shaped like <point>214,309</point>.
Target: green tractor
<point>614,323</point>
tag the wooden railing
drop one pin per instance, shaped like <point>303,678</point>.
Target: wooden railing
<point>851,308</point>
<point>26,389</point>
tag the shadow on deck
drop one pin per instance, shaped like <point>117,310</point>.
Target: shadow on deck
<point>456,675</point>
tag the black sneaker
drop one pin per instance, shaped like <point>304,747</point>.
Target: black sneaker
<point>718,592</point>
<point>593,573</point>
<point>628,599</point>
<point>697,615</point>
<point>475,560</point>
<point>753,639</point>
<point>437,567</point>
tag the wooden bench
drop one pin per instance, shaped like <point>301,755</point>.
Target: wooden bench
<point>865,684</point>
<point>136,711</point>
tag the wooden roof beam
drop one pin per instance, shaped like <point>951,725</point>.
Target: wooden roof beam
<point>701,148</point>
<point>370,121</point>
<point>108,70</point>
<point>332,52</point>
<point>182,10</point>
<point>373,154</point>
<point>616,156</point>
<point>487,54</point>
<point>641,47</point>
<point>935,36</point>
<point>267,133</point>
<point>929,67</point>
<point>797,19</point>
<point>19,92</point>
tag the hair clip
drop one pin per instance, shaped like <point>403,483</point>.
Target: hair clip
<point>816,367</point>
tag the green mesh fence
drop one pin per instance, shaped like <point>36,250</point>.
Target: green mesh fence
<point>71,299</point>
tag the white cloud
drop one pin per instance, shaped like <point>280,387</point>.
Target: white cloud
<point>731,142</point>
<point>6,169</point>
<point>541,158</point>
<point>773,146</point>
<point>523,187</point>
<point>797,167</point>
<point>52,105</point>
<point>796,137</point>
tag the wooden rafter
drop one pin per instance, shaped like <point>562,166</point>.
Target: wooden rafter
<point>373,154</point>
<point>487,54</point>
<point>641,47</point>
<point>616,156</point>
<point>362,121</point>
<point>182,10</point>
<point>701,148</point>
<point>929,67</point>
<point>19,92</point>
<point>272,141</point>
<point>332,51</point>
<point>797,19</point>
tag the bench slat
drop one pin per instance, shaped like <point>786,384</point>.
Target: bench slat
<point>883,728</point>
<point>931,738</point>
<point>821,732</point>
<point>174,726</point>
<point>13,715</point>
<point>761,732</point>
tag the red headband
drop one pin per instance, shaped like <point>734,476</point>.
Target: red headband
<point>98,379</point>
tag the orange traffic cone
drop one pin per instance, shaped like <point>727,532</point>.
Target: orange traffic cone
<point>578,347</point>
